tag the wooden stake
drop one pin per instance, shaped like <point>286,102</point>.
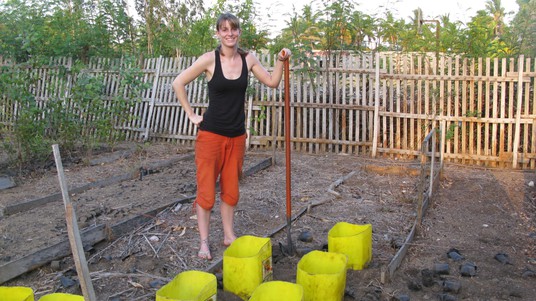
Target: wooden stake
<point>74,234</point>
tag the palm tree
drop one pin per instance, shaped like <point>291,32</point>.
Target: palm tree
<point>362,28</point>
<point>390,30</point>
<point>495,8</point>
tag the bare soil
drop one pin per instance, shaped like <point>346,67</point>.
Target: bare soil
<point>477,211</point>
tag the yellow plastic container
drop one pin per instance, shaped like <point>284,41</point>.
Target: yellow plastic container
<point>353,240</point>
<point>189,286</point>
<point>16,293</point>
<point>322,276</point>
<point>247,263</point>
<point>61,297</point>
<point>277,291</point>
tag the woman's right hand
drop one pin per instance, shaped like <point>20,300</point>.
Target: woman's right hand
<point>195,119</point>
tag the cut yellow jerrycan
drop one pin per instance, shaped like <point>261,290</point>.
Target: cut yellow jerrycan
<point>61,297</point>
<point>322,276</point>
<point>16,293</point>
<point>189,286</point>
<point>247,263</point>
<point>277,291</point>
<point>353,240</point>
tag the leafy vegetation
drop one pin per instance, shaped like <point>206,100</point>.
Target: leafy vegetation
<point>80,122</point>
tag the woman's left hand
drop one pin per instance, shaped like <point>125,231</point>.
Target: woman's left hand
<point>284,54</point>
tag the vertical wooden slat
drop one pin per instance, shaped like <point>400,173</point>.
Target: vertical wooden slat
<point>532,100</point>
<point>356,100</point>
<point>389,106</point>
<point>376,126</point>
<point>472,109</point>
<point>413,102</point>
<point>456,107</point>
<point>511,100</point>
<point>533,112</point>
<point>152,100</point>
<point>526,112</point>
<point>173,69</point>
<point>502,126</point>
<point>164,123</point>
<point>429,98</point>
<point>333,88</point>
<point>519,104</point>
<point>495,111</point>
<point>421,90</point>
<point>383,84</point>
<point>481,108</point>
<point>313,92</point>
<point>448,106</point>
<point>488,100</point>
<point>441,102</point>
<point>344,100</point>
<point>168,96</point>
<point>396,67</point>
<point>322,112</point>
<point>463,113</point>
<point>299,88</point>
<point>405,99</point>
<point>371,98</point>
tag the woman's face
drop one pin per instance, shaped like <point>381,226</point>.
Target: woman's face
<point>228,35</point>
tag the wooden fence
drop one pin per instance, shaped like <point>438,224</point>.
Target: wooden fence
<point>379,104</point>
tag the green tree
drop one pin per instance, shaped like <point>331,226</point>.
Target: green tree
<point>22,27</point>
<point>302,36</point>
<point>523,32</point>
<point>334,25</point>
<point>450,38</point>
<point>166,25</point>
<point>478,36</point>
<point>77,29</point>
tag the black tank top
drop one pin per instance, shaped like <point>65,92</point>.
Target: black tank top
<point>226,97</point>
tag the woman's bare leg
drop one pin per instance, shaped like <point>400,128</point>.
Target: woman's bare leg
<point>203,223</point>
<point>227,215</point>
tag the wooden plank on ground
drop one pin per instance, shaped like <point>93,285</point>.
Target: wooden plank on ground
<point>59,250</point>
<point>387,274</point>
<point>28,205</point>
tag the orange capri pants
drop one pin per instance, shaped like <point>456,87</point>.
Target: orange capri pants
<point>217,155</point>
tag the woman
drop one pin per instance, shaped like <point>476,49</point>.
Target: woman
<point>220,142</point>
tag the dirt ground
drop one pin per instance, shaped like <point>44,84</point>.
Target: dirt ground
<point>486,215</point>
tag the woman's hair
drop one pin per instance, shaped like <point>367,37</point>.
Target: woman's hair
<point>234,23</point>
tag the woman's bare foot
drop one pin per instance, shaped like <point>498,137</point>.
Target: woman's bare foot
<point>228,241</point>
<point>204,250</point>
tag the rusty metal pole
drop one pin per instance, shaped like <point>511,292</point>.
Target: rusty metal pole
<point>290,246</point>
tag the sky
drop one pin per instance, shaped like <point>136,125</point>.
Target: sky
<point>461,10</point>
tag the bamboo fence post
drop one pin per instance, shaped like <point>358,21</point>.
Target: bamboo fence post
<point>495,110</point>
<point>518,111</point>
<point>531,68</point>
<point>153,99</point>
<point>376,106</point>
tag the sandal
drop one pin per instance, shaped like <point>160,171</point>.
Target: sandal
<point>204,254</point>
